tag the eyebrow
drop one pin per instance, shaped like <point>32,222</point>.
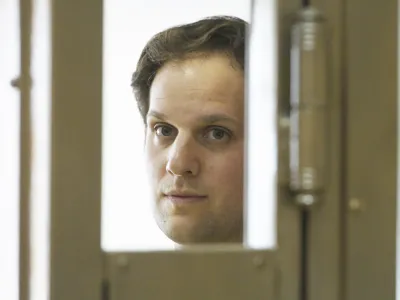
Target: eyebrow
<point>156,114</point>
<point>215,118</point>
<point>209,119</point>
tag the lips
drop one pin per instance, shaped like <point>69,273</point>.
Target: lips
<point>184,198</point>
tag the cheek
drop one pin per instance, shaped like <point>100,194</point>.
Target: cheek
<point>155,160</point>
<point>226,173</point>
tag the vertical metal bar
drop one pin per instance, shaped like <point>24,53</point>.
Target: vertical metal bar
<point>398,162</point>
<point>75,250</point>
<point>326,223</point>
<point>24,84</point>
<point>372,51</point>
<point>342,73</point>
<point>308,123</point>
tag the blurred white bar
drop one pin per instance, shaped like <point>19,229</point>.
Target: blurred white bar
<point>9,150</point>
<point>261,128</point>
<point>40,185</point>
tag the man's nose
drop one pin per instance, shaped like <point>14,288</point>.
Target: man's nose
<point>183,158</point>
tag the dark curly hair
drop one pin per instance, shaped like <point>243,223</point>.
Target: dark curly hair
<point>219,34</point>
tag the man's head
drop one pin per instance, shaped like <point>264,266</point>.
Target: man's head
<point>189,85</point>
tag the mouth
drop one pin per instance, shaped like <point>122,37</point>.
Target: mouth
<point>185,198</point>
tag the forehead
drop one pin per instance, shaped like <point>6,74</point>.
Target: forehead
<point>202,85</point>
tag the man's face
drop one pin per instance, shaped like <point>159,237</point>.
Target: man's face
<point>194,148</point>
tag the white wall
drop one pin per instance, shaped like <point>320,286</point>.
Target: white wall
<point>9,150</point>
<point>127,223</point>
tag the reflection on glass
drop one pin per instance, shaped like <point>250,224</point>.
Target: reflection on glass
<point>262,149</point>
<point>40,187</point>
<point>127,219</point>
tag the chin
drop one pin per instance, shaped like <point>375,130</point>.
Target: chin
<point>184,232</point>
<point>183,236</point>
<point>188,231</point>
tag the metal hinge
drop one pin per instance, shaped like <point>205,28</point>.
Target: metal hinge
<point>308,108</point>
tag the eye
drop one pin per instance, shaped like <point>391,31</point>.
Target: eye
<point>218,134</point>
<point>164,130</point>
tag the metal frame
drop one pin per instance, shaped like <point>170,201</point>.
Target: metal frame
<point>325,253</point>
<point>76,260</point>
<point>23,83</point>
<point>289,218</point>
<point>196,274</point>
<point>371,148</point>
<point>230,268</point>
<point>352,234</point>
<point>352,250</point>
